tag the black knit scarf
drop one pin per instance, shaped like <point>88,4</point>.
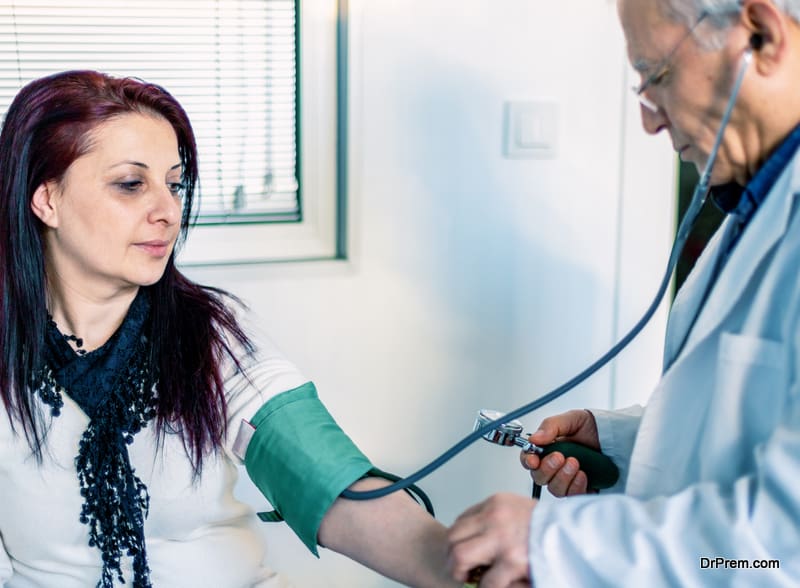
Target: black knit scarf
<point>114,386</point>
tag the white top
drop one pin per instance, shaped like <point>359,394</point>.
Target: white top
<point>197,534</point>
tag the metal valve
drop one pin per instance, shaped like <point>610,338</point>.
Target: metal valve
<point>509,433</point>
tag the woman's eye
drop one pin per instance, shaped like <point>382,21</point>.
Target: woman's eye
<point>130,186</point>
<point>177,188</point>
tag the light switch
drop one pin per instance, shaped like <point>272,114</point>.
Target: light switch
<point>531,129</point>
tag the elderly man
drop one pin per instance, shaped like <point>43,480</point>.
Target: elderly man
<point>710,491</point>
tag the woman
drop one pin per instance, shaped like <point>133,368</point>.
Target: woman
<point>130,391</point>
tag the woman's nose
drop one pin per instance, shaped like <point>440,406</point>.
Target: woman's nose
<point>166,207</point>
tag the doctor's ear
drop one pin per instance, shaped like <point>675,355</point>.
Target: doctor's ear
<point>44,204</point>
<point>768,31</point>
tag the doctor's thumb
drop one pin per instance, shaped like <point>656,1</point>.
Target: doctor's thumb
<point>560,426</point>
<point>547,432</point>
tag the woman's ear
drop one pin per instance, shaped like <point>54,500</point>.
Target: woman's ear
<point>44,204</point>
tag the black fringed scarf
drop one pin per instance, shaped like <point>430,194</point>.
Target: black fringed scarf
<point>114,386</point>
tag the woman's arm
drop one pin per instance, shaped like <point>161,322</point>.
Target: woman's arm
<point>302,461</point>
<point>392,535</point>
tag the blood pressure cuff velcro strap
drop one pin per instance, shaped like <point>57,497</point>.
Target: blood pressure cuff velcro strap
<point>301,460</point>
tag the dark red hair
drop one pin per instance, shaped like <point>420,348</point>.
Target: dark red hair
<point>48,127</point>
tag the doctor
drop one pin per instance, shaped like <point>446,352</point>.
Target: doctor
<point>710,487</point>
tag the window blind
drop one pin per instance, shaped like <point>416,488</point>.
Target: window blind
<point>230,63</point>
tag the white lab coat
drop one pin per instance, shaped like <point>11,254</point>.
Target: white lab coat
<point>711,468</point>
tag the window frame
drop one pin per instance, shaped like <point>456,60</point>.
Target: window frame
<point>321,124</point>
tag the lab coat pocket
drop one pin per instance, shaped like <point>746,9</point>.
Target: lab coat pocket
<point>748,401</point>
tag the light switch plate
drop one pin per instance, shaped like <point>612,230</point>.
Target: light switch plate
<point>531,129</point>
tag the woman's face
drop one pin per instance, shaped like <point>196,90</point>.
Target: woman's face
<point>112,221</point>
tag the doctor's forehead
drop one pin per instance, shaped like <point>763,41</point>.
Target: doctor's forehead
<point>647,30</point>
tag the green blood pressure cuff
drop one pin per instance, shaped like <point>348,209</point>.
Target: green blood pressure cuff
<point>301,460</point>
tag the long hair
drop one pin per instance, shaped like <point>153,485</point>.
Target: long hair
<point>47,127</point>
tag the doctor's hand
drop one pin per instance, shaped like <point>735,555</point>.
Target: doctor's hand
<point>563,477</point>
<point>493,533</point>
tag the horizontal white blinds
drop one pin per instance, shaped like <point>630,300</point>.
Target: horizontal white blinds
<point>230,63</point>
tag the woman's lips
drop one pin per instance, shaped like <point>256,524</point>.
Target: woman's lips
<point>154,248</point>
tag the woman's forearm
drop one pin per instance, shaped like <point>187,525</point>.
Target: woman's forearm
<point>392,535</point>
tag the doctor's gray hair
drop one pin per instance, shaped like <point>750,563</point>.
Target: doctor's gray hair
<point>720,13</point>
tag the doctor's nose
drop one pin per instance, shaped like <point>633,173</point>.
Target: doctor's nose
<point>654,120</point>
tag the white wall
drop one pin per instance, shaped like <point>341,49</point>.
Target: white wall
<point>474,280</point>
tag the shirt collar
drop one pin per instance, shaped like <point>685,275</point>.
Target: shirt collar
<point>742,202</point>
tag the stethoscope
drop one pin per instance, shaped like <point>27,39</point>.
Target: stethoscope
<point>503,429</point>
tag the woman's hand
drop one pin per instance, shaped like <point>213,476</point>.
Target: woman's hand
<point>563,477</point>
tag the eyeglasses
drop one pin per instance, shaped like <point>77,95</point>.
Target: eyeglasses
<point>662,70</point>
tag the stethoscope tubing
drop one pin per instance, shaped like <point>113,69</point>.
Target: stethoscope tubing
<point>698,200</point>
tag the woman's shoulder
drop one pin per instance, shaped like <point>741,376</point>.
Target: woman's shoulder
<point>264,370</point>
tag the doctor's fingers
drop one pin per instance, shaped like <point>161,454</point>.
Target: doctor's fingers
<point>529,461</point>
<point>500,510</point>
<point>507,561</point>
<point>507,572</point>
<point>496,528</point>
<point>544,469</point>
<point>568,479</point>
<point>468,523</point>
<point>468,554</point>
<point>580,485</point>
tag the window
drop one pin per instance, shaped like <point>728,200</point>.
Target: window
<point>268,184</point>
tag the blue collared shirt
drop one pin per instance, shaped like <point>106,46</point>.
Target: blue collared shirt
<point>742,203</point>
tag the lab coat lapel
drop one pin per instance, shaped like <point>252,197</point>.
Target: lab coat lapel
<point>764,230</point>
<point>690,297</point>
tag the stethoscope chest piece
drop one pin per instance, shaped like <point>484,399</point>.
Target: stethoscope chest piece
<point>505,434</point>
